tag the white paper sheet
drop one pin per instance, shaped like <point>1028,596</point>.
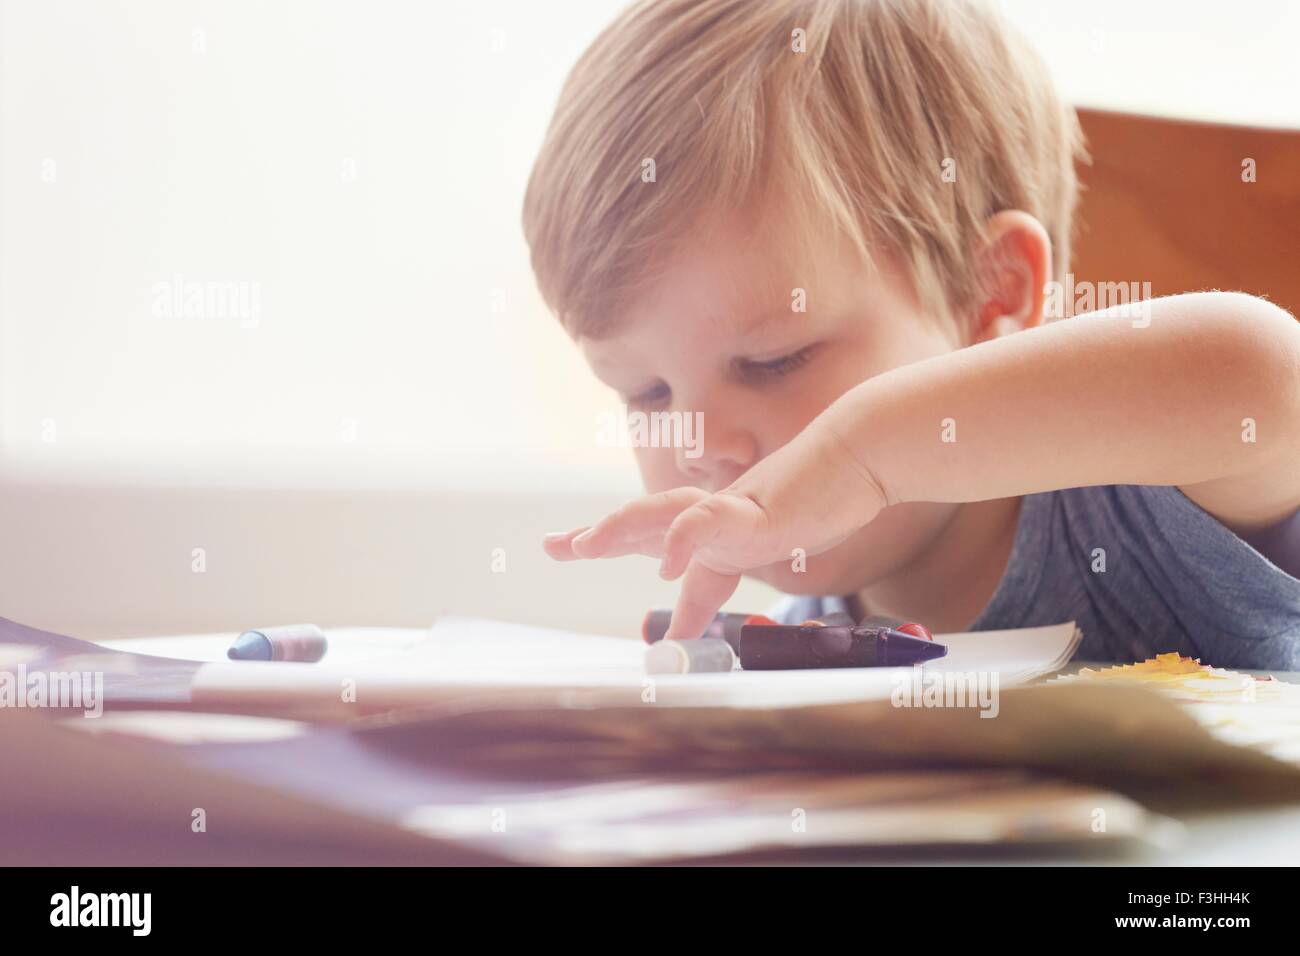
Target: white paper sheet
<point>474,662</point>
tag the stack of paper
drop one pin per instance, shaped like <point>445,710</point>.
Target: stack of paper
<point>286,777</point>
<point>663,820</point>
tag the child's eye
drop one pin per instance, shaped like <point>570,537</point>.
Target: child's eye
<point>778,366</point>
<point>651,396</point>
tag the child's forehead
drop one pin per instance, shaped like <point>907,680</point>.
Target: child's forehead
<point>773,246</point>
<point>745,274</point>
<point>708,303</point>
<point>740,278</point>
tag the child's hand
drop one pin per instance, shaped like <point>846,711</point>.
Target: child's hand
<point>712,538</point>
<point>805,496</point>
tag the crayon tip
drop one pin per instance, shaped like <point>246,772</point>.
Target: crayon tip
<point>902,650</point>
<point>250,646</point>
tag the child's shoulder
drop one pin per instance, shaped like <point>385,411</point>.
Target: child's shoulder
<point>1144,570</point>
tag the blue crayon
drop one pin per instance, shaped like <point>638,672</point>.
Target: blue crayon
<point>291,642</point>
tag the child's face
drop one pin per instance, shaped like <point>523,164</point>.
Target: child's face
<point>718,336</point>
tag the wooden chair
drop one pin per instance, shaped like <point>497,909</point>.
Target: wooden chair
<point>1164,201</point>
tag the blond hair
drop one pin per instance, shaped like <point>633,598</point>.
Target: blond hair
<point>853,121</point>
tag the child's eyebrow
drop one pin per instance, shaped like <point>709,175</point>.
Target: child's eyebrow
<point>608,355</point>
<point>766,321</point>
<point>762,320</point>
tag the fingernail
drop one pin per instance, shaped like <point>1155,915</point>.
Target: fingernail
<point>551,535</point>
<point>584,536</point>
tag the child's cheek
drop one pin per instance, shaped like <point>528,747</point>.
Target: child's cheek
<point>659,470</point>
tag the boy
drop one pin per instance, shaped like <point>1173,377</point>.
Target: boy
<point>828,227</point>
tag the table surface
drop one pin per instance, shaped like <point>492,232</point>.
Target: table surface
<point>1267,833</point>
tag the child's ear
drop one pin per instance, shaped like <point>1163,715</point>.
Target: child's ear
<point>1014,265</point>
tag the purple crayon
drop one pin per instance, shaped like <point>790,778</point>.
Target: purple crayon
<point>778,647</point>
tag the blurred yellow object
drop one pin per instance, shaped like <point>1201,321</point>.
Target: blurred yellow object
<point>1186,676</point>
<point>1161,664</point>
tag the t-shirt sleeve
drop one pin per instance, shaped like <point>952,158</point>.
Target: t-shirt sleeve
<point>1144,570</point>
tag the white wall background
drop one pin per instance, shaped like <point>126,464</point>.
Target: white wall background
<point>361,165</point>
<point>1223,62</point>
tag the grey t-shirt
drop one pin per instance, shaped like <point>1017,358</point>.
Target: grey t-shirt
<point>1174,579</point>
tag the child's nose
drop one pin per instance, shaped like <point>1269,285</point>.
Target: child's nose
<point>724,450</point>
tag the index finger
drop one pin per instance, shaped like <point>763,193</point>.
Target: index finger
<point>704,591</point>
